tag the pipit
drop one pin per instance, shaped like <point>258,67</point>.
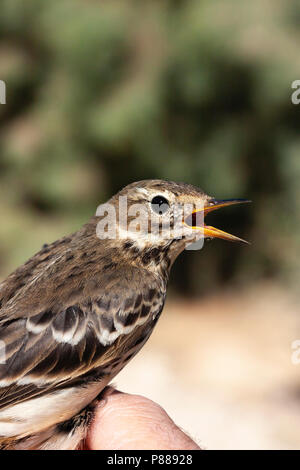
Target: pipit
<point>76,312</point>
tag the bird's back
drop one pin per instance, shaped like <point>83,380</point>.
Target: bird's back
<point>70,319</point>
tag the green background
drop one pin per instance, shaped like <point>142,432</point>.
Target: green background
<point>103,93</point>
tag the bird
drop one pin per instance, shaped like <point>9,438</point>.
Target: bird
<point>80,309</point>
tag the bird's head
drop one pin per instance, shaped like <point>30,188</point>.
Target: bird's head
<point>155,214</point>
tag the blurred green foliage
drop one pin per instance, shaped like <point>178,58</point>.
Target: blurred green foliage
<point>103,93</point>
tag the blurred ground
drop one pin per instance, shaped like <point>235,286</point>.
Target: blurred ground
<point>222,369</point>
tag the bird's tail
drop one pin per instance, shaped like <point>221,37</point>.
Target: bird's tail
<point>68,435</point>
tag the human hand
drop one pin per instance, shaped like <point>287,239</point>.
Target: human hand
<point>133,422</point>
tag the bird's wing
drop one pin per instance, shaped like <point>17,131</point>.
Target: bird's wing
<point>70,342</point>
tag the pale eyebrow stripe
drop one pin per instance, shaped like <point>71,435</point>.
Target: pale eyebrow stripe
<point>143,191</point>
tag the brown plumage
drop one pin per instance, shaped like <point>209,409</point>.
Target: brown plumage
<point>74,314</point>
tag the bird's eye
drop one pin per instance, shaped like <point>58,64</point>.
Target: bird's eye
<point>160,205</point>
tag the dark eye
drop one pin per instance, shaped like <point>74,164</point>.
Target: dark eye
<point>159,205</point>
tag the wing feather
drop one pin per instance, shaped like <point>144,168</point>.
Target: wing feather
<point>74,343</point>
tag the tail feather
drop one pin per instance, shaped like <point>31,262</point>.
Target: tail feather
<point>68,435</point>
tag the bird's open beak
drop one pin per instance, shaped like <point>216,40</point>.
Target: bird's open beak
<point>196,220</point>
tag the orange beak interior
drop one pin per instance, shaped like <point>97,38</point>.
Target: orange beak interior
<point>197,223</point>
